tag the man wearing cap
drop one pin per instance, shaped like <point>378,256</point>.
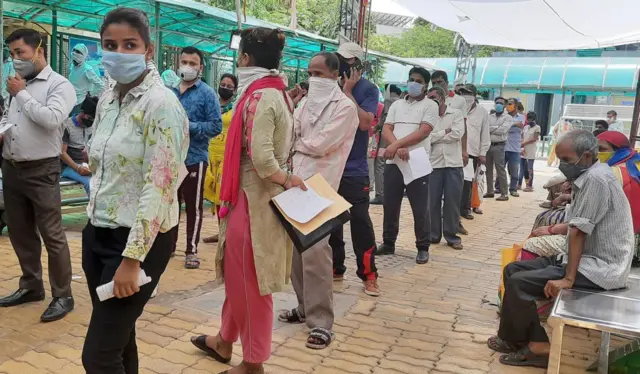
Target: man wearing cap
<point>354,185</point>
<point>77,131</point>
<point>83,77</point>
<point>478,140</point>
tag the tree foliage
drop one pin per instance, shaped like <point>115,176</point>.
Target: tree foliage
<point>420,41</point>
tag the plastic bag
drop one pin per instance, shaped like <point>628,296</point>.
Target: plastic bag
<point>507,256</point>
<point>479,186</point>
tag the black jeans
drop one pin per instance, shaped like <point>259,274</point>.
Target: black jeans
<point>418,195</point>
<point>465,206</point>
<point>356,191</point>
<point>524,284</point>
<point>110,343</point>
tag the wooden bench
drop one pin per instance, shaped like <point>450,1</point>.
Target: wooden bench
<point>610,312</point>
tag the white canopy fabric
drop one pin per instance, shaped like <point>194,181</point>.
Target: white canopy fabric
<point>535,24</point>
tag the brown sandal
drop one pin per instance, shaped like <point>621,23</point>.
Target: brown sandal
<point>499,345</point>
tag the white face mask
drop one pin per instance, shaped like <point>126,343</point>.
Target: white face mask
<point>188,73</point>
<point>321,91</point>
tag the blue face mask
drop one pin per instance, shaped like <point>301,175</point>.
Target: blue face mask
<point>415,89</point>
<point>124,68</point>
<point>499,108</point>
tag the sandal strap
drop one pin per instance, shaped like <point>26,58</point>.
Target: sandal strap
<point>322,334</point>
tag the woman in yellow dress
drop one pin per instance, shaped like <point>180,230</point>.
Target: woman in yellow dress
<point>226,92</point>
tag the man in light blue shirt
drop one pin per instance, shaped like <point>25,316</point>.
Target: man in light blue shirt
<point>514,144</point>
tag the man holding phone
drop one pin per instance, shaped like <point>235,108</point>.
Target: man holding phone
<point>354,185</point>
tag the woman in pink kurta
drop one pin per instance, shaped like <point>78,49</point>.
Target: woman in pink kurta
<point>254,252</point>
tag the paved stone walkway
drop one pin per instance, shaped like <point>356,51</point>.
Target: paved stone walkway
<point>432,318</point>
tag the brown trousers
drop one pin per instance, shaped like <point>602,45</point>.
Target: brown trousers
<point>312,279</point>
<point>32,203</point>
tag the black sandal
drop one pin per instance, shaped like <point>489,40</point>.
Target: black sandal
<point>320,334</point>
<point>525,357</point>
<point>499,345</point>
<point>293,316</point>
<point>201,343</point>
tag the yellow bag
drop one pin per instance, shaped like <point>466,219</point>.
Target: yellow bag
<point>552,154</point>
<point>508,255</point>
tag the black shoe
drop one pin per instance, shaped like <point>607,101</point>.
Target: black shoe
<point>422,257</point>
<point>468,216</point>
<point>58,308</point>
<point>385,249</point>
<point>21,296</point>
<point>462,230</point>
<point>489,196</point>
<point>376,201</point>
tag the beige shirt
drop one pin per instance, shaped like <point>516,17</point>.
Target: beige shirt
<point>323,147</point>
<point>531,133</point>
<point>38,113</point>
<point>457,102</point>
<point>499,127</point>
<point>446,148</point>
<point>478,137</point>
<point>406,117</point>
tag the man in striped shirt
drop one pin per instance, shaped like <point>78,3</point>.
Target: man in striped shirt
<point>599,249</point>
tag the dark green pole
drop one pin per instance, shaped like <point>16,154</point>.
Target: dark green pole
<point>54,41</point>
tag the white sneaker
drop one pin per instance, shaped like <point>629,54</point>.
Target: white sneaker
<point>155,292</point>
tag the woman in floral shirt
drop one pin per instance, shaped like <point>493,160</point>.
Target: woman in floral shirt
<point>141,136</point>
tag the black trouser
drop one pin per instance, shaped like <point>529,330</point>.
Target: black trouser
<point>524,284</point>
<point>418,195</point>
<point>190,192</point>
<point>356,191</point>
<point>110,343</point>
<point>465,206</point>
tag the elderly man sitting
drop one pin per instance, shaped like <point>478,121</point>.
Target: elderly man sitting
<point>599,251</point>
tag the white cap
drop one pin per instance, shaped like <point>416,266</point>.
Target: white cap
<point>351,50</point>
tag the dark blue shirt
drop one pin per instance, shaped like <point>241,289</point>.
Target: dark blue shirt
<point>366,95</point>
<point>201,104</point>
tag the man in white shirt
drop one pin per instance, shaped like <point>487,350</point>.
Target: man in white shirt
<point>41,100</point>
<point>614,123</point>
<point>447,177</point>
<point>530,137</point>
<point>407,127</point>
<point>325,126</point>
<point>478,141</point>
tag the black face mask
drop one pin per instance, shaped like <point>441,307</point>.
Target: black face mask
<point>225,93</point>
<point>345,68</point>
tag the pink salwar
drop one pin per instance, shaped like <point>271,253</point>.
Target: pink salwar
<point>245,313</point>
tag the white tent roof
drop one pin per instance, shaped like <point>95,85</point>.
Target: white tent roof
<point>389,7</point>
<point>535,24</point>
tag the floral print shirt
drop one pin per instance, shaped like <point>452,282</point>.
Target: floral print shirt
<point>135,153</point>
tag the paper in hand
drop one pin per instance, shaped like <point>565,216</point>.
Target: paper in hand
<point>301,206</point>
<point>418,165</point>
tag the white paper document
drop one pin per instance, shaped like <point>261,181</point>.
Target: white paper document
<point>4,126</point>
<point>417,167</point>
<point>302,206</point>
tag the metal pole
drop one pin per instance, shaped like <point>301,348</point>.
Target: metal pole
<point>298,72</point>
<point>636,111</point>
<point>239,15</point>
<point>2,77</point>
<point>366,48</point>
<point>54,41</point>
<point>158,55</point>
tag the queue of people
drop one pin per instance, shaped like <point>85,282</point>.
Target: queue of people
<point>151,142</point>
